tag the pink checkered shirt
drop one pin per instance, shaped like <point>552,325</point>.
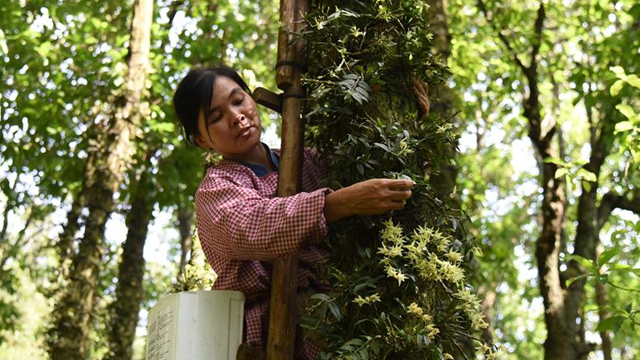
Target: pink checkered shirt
<point>243,226</point>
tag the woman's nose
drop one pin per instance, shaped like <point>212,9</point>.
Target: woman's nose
<point>241,120</point>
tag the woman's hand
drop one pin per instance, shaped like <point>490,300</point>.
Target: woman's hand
<point>421,91</point>
<point>370,197</point>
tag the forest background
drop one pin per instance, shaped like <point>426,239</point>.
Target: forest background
<point>545,96</point>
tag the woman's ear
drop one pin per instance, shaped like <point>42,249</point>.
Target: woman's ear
<point>200,141</point>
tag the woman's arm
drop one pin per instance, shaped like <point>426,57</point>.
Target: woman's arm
<point>238,223</point>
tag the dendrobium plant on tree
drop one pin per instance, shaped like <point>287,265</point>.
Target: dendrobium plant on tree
<point>398,281</point>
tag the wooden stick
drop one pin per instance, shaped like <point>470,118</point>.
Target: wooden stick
<point>282,316</point>
<point>268,99</point>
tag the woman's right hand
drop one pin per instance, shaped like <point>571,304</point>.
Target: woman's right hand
<point>370,197</point>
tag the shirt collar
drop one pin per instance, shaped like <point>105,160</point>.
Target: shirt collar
<point>258,169</point>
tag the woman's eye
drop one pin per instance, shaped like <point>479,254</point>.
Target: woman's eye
<point>239,101</point>
<point>215,118</point>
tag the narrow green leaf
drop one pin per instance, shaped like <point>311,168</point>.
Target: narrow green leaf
<point>321,297</point>
<point>335,310</point>
<point>381,146</point>
<point>570,281</point>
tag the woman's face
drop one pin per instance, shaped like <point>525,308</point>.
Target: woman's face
<point>232,125</point>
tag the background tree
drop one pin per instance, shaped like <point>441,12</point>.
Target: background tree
<point>556,45</point>
<point>112,154</point>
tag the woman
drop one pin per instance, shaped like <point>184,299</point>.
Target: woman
<point>241,223</point>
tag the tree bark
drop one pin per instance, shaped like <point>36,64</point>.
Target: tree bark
<point>69,338</point>
<point>561,333</point>
<point>601,300</point>
<point>587,234</point>
<point>185,222</point>
<point>129,291</point>
<point>443,97</point>
<point>7,209</point>
<point>488,303</point>
<point>66,242</point>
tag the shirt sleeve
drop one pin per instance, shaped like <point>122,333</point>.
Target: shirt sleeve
<point>240,224</point>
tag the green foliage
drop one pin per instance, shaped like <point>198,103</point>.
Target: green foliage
<point>628,130</point>
<point>581,42</point>
<point>197,275</point>
<point>61,67</point>
<point>398,282</point>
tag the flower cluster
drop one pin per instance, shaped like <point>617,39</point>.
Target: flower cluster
<point>428,252</point>
<point>470,305</point>
<point>366,300</point>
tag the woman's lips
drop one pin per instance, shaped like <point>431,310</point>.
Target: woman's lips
<point>246,131</point>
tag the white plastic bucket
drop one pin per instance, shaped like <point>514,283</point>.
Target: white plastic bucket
<point>199,325</point>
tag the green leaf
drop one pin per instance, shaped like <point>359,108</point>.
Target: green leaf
<point>616,87</point>
<point>586,263</point>
<point>335,310</point>
<point>554,160</point>
<point>606,256</point>
<point>634,81</point>
<point>163,127</point>
<point>44,49</point>
<point>561,172</point>
<point>570,281</point>
<point>626,110</point>
<point>321,297</point>
<point>3,43</point>
<point>612,323</point>
<point>381,146</point>
<point>623,126</point>
<point>618,70</point>
<point>587,175</point>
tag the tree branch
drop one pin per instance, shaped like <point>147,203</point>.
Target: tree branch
<point>612,201</point>
<point>503,38</point>
<point>538,26</point>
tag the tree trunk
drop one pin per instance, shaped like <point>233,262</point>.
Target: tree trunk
<point>488,303</point>
<point>185,222</point>
<point>71,329</point>
<point>601,300</point>
<point>66,242</point>
<point>443,97</point>
<point>129,292</point>
<point>7,209</point>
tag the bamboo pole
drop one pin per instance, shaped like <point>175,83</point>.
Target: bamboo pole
<point>291,55</point>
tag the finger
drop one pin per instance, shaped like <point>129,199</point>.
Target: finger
<point>395,205</point>
<point>400,183</point>
<point>399,195</point>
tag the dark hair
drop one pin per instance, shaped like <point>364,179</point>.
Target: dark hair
<point>194,94</point>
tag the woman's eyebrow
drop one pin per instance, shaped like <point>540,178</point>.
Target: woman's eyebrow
<point>233,92</point>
